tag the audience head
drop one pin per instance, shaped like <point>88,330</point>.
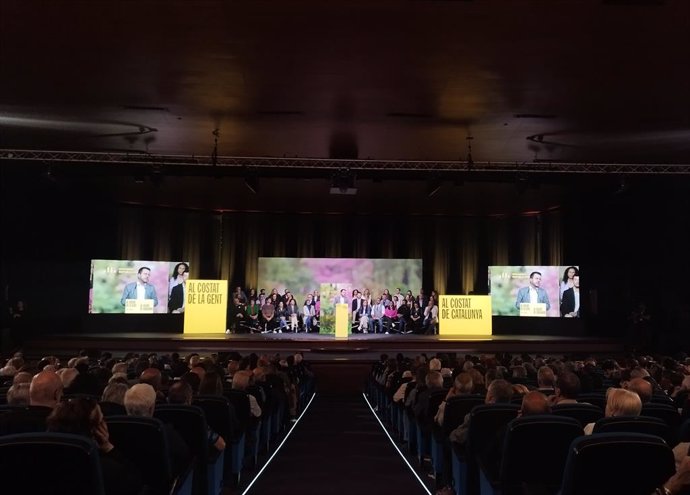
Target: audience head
<point>545,377</point>
<point>22,377</point>
<point>18,395</point>
<point>621,402</point>
<point>45,390</point>
<point>435,364</point>
<point>241,380</point>
<point>211,384</point>
<point>180,393</point>
<point>77,417</point>
<point>140,400</point>
<point>642,388</point>
<point>434,379</point>
<point>534,402</point>
<point>153,377</point>
<point>115,392</point>
<point>568,385</point>
<point>192,379</point>
<point>463,384</point>
<point>500,391</point>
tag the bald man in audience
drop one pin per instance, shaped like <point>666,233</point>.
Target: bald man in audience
<point>642,388</point>
<point>45,392</point>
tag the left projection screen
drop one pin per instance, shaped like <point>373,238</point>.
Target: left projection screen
<point>114,281</point>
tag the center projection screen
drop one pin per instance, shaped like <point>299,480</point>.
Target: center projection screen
<point>302,276</point>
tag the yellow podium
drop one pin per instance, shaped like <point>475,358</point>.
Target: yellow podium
<point>342,320</point>
<point>532,309</point>
<point>138,306</point>
<point>206,306</point>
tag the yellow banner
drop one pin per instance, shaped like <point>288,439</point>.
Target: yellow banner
<point>342,321</point>
<point>206,303</point>
<point>464,315</point>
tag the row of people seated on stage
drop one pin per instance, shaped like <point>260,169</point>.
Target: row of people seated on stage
<point>397,313</point>
<point>47,395</point>
<point>632,388</point>
<point>275,316</point>
<point>399,316</point>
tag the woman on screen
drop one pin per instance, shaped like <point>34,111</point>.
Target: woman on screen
<point>567,281</point>
<point>177,276</point>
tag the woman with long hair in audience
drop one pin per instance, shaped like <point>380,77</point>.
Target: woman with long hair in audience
<point>84,417</point>
<point>177,276</point>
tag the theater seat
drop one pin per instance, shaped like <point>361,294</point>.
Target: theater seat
<point>142,440</point>
<point>582,412</point>
<point>635,424</point>
<point>190,423</point>
<point>532,456</point>
<point>617,464</point>
<point>57,463</point>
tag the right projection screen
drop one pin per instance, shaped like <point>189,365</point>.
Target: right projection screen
<point>553,290</point>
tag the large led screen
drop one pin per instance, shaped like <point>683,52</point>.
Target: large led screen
<point>302,276</point>
<point>558,287</point>
<point>115,281</point>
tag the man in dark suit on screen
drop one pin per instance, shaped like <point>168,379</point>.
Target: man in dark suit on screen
<point>570,305</point>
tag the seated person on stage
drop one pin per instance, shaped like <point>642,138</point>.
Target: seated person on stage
<point>430,317</point>
<point>376,323</point>
<point>252,314</point>
<point>293,315</point>
<point>281,317</point>
<point>416,315</point>
<point>403,316</point>
<point>390,316</point>
<point>364,317</point>
<point>268,317</point>
<point>308,313</point>
<point>237,316</point>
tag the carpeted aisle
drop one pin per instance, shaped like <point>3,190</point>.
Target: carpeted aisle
<point>338,448</point>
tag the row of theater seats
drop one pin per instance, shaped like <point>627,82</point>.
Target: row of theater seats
<point>63,463</point>
<point>544,454</point>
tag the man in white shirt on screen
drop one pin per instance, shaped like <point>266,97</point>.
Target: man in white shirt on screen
<point>533,293</point>
<point>141,289</point>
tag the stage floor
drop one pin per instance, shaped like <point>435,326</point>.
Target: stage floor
<point>320,347</point>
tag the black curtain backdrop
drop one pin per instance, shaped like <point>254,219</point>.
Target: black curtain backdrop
<point>631,245</point>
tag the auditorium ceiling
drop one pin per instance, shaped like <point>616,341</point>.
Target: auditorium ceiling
<point>520,81</point>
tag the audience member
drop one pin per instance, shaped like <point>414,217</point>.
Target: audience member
<point>84,417</point>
